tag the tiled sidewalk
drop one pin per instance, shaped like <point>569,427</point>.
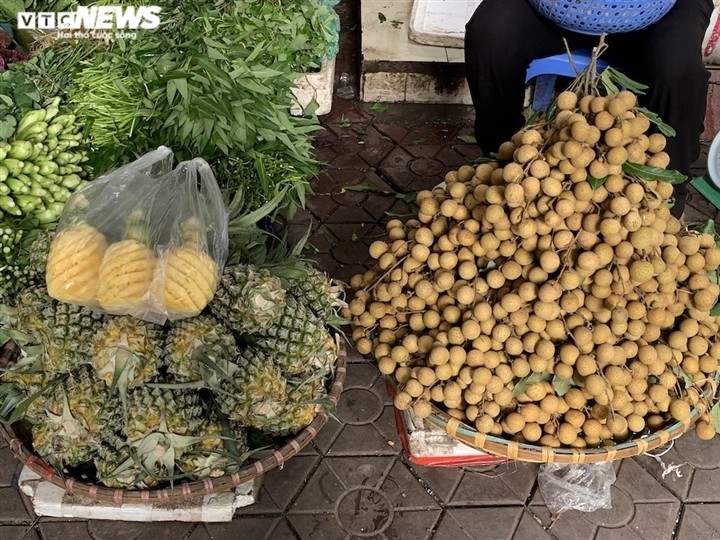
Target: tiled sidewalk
<point>354,481</point>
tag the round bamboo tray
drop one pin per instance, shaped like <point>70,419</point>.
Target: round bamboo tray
<point>544,454</point>
<point>181,491</point>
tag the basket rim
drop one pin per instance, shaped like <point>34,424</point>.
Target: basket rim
<point>183,490</point>
<point>533,453</point>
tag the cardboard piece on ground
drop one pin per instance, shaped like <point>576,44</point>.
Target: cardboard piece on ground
<point>51,500</point>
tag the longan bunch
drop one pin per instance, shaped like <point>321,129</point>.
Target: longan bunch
<point>549,296</point>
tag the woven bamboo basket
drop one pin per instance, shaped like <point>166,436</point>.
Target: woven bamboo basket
<point>543,454</point>
<point>181,491</point>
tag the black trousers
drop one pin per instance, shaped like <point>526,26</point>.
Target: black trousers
<point>504,36</point>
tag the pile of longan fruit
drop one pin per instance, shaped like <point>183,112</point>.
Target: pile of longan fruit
<point>548,296</point>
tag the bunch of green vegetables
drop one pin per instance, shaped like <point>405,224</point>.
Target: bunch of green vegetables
<point>23,248</point>
<point>215,80</point>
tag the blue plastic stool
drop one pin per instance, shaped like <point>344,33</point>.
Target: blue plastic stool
<point>545,71</point>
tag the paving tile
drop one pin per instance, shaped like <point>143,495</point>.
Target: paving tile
<point>498,488</point>
<point>349,160</point>
<point>18,532</point>
<point>398,158</point>
<point>405,180</point>
<point>316,526</point>
<point>420,150</point>
<point>105,529</point>
<point>496,523</point>
<point>396,132</point>
<point>700,521</point>
<point>349,213</point>
<point>361,440</point>
<point>77,530</point>
<point>405,491</point>
<point>415,524</point>
<point>380,388</point>
<point>264,503</point>
<point>361,471</point>
<point>359,406</point>
<point>677,482</point>
<point>322,206</point>
<point>320,492</point>
<point>378,205</point>
<point>652,521</point>
<point>375,153</point>
<point>12,509</point>
<point>260,528</point>
<point>327,435</point>
<point>530,527</point>
<point>450,157</point>
<point>281,485</point>
<point>435,134</point>
<point>160,531</point>
<point>699,454</point>
<point>362,375</point>
<point>449,529</point>
<point>441,481</point>
<point>640,484</point>
<point>10,467</point>
<point>387,427</point>
<point>570,525</point>
<point>427,166</point>
<point>322,239</point>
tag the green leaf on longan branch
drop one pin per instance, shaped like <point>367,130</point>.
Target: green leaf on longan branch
<point>526,382</point>
<point>561,386</point>
<point>664,128</point>
<point>681,375</point>
<point>715,415</point>
<point>645,172</point>
<point>595,183</point>
<point>715,311</point>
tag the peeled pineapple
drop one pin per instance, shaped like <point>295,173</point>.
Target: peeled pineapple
<point>127,270</point>
<point>73,263</point>
<point>189,276</point>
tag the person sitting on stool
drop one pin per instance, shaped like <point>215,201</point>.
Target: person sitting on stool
<point>504,36</point>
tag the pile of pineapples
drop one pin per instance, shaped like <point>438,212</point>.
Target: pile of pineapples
<point>144,404</point>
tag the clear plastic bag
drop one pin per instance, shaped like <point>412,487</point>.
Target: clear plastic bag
<point>143,240</point>
<point>576,487</point>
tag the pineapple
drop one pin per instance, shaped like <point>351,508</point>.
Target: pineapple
<point>65,331</point>
<point>191,343</point>
<point>162,425</point>
<point>73,263</point>
<point>127,270</point>
<point>249,299</point>
<point>126,352</point>
<point>77,412</point>
<point>317,292</point>
<point>287,417</point>
<point>296,339</point>
<point>22,385</point>
<point>117,466</point>
<point>39,251</point>
<point>189,274</point>
<point>151,409</point>
<point>254,379</point>
<point>220,452</point>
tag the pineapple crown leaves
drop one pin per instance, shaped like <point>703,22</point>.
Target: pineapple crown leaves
<point>136,226</point>
<point>19,408</point>
<point>162,449</point>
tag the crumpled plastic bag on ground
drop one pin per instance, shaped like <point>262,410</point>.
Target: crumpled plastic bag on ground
<point>576,487</point>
